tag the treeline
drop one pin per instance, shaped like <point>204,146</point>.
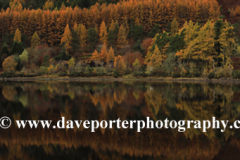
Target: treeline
<point>52,4</point>
<point>50,25</point>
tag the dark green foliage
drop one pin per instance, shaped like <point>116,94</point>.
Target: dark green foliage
<point>4,4</point>
<point>211,75</point>
<point>8,39</point>
<point>154,31</point>
<point>131,29</point>
<point>75,41</point>
<point>17,48</point>
<point>112,36</point>
<point>176,75</point>
<point>168,28</point>
<point>63,55</point>
<point>3,56</point>
<point>138,32</point>
<point>138,47</point>
<point>236,74</point>
<point>135,31</point>
<point>177,42</point>
<point>217,31</point>
<point>116,73</point>
<point>17,59</point>
<point>162,40</point>
<point>92,39</point>
<point>45,62</point>
<point>4,49</point>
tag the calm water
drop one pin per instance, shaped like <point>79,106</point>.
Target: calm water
<point>128,100</point>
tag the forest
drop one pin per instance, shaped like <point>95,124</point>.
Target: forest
<point>170,38</point>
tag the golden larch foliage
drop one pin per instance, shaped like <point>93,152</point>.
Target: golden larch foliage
<point>104,53</point>
<point>120,65</point>
<point>110,55</point>
<point>35,41</point>
<point>122,37</point>
<point>67,37</point>
<point>17,36</point>
<point>103,33</point>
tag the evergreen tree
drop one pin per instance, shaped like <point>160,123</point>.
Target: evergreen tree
<point>176,43</point>
<point>217,45</point>
<point>17,48</point>
<point>154,31</point>
<point>92,38</point>
<point>138,32</point>
<point>5,50</point>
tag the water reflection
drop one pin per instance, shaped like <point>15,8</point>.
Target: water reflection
<point>128,100</point>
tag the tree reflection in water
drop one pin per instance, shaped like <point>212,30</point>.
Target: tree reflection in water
<point>126,100</point>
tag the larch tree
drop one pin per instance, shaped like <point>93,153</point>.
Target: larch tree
<point>103,33</point>
<point>35,41</point>
<point>174,27</point>
<point>104,53</point>
<point>17,36</point>
<point>120,65</point>
<point>227,39</point>
<point>67,37</point>
<point>122,37</point>
<point>95,55</point>
<point>110,55</point>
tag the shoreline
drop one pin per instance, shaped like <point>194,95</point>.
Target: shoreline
<point>121,79</point>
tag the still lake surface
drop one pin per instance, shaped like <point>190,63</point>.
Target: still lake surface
<point>124,100</point>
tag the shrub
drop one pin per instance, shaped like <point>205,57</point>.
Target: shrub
<point>43,70</point>
<point>211,75</point>
<point>62,74</point>
<point>9,64</point>
<point>236,74</point>
<point>45,62</point>
<point>176,75</point>
<point>223,72</point>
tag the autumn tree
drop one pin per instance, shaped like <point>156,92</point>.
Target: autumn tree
<point>24,56</point>
<point>48,5</point>
<point>9,64</point>
<point>103,33</point>
<point>110,55</point>
<point>95,55</point>
<point>174,27</point>
<point>154,59</point>
<point>104,53</point>
<point>136,64</point>
<point>227,40</point>
<point>67,37</point>
<point>122,37</point>
<point>120,65</point>
<point>17,36</point>
<point>35,41</point>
